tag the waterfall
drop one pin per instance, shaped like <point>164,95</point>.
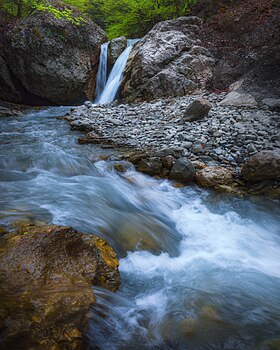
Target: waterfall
<point>102,71</point>
<point>115,77</point>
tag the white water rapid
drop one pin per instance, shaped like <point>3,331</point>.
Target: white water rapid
<point>115,78</point>
<point>199,270</point>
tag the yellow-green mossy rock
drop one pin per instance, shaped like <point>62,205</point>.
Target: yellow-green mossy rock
<point>46,279</point>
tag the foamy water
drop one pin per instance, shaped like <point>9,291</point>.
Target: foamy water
<point>199,270</point>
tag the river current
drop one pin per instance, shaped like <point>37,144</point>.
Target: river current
<point>199,270</point>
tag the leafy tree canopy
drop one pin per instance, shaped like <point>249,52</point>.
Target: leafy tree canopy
<point>132,18</point>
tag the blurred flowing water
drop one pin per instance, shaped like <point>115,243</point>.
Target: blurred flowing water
<point>199,270</point>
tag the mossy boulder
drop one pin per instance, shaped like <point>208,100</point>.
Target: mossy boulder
<point>52,60</point>
<point>46,279</point>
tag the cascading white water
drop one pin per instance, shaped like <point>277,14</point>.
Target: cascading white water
<point>199,270</point>
<point>114,81</point>
<point>102,71</point>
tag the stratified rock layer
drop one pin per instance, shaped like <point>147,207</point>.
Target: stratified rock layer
<point>46,278</point>
<point>168,61</point>
<point>51,60</point>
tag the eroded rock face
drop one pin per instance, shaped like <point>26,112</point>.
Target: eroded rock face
<point>53,59</point>
<point>168,61</point>
<point>115,48</point>
<point>262,166</point>
<point>46,278</point>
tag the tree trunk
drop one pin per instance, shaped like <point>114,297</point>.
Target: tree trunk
<point>20,6</point>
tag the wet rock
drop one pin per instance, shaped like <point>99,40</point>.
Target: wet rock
<point>46,278</point>
<point>53,60</point>
<point>115,48</point>
<point>237,99</point>
<point>167,62</point>
<point>5,112</point>
<point>213,176</point>
<point>88,104</point>
<point>120,167</point>
<point>182,170</point>
<point>171,151</point>
<point>273,344</point>
<point>264,165</point>
<point>197,110</point>
<point>8,90</point>
<point>168,161</point>
<point>3,231</point>
<point>150,166</point>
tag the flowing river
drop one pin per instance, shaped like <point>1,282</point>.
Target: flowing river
<point>199,270</point>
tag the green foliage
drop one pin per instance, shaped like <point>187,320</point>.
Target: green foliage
<point>65,13</point>
<point>19,8</point>
<point>132,18</point>
<point>23,8</point>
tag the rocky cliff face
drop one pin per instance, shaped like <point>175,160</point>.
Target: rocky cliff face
<point>168,61</point>
<point>50,60</point>
<point>244,37</point>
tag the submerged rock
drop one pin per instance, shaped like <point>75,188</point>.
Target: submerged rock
<point>168,61</point>
<point>53,60</point>
<point>46,278</point>
<point>262,166</point>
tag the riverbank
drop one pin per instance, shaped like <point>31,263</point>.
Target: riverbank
<point>181,250</point>
<point>154,135</point>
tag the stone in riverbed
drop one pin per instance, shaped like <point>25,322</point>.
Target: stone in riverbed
<point>150,166</point>
<point>213,176</point>
<point>264,165</point>
<point>182,170</point>
<point>197,110</point>
<point>46,278</point>
<point>3,231</point>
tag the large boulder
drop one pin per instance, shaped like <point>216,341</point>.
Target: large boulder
<point>46,278</point>
<point>262,166</point>
<point>213,176</point>
<point>52,58</point>
<point>197,110</point>
<point>238,99</point>
<point>168,61</point>
<point>115,48</point>
<point>182,170</point>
